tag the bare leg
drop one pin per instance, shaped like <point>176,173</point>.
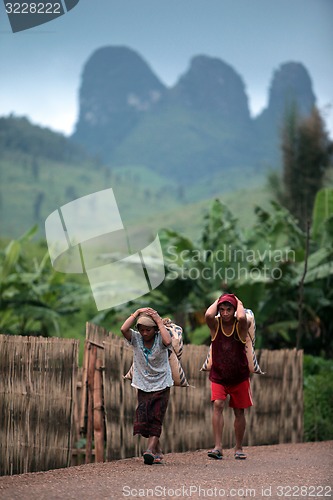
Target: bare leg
<point>158,450</point>
<point>240,424</point>
<point>153,444</point>
<point>218,423</point>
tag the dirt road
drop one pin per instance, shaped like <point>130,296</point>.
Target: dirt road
<point>281,471</point>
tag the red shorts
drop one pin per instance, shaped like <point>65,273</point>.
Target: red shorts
<point>240,394</point>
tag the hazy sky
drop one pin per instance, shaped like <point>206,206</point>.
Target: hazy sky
<point>40,68</point>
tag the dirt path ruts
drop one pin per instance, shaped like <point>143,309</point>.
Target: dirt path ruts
<point>281,471</point>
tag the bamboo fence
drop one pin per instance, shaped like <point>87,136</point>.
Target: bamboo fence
<point>38,385</point>
<point>278,396</point>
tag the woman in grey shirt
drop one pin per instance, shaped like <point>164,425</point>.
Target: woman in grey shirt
<point>151,376</point>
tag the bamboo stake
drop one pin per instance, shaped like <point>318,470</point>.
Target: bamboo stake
<point>91,371</point>
<point>98,412</point>
<point>84,392</point>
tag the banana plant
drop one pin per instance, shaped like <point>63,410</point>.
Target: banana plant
<point>33,296</point>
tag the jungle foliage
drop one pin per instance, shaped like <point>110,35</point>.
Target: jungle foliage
<point>318,399</point>
<point>33,297</point>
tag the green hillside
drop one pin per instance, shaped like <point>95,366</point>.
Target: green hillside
<point>187,144</point>
<point>144,198</point>
<point>18,135</point>
<point>41,170</point>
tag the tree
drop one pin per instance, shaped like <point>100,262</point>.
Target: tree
<point>306,153</point>
<point>38,204</point>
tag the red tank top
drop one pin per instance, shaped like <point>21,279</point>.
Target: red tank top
<point>229,361</point>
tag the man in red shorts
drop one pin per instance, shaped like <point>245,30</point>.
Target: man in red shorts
<point>229,373</point>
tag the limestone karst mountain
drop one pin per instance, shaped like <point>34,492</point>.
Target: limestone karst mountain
<point>199,127</point>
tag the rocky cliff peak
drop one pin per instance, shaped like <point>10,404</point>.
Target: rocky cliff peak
<point>291,84</point>
<point>117,87</point>
<point>290,87</point>
<point>212,85</point>
<point>116,79</point>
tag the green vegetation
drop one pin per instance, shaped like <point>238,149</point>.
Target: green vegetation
<point>318,399</point>
<point>33,296</point>
<point>188,143</point>
<point>144,199</point>
<point>18,135</point>
<point>35,181</point>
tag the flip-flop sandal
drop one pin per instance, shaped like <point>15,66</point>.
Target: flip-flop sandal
<point>158,459</point>
<point>216,454</point>
<point>239,455</point>
<point>148,457</point>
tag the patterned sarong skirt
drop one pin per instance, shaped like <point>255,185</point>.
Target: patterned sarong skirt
<point>150,412</point>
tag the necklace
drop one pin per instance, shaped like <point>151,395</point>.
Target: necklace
<point>147,351</point>
<point>232,331</point>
